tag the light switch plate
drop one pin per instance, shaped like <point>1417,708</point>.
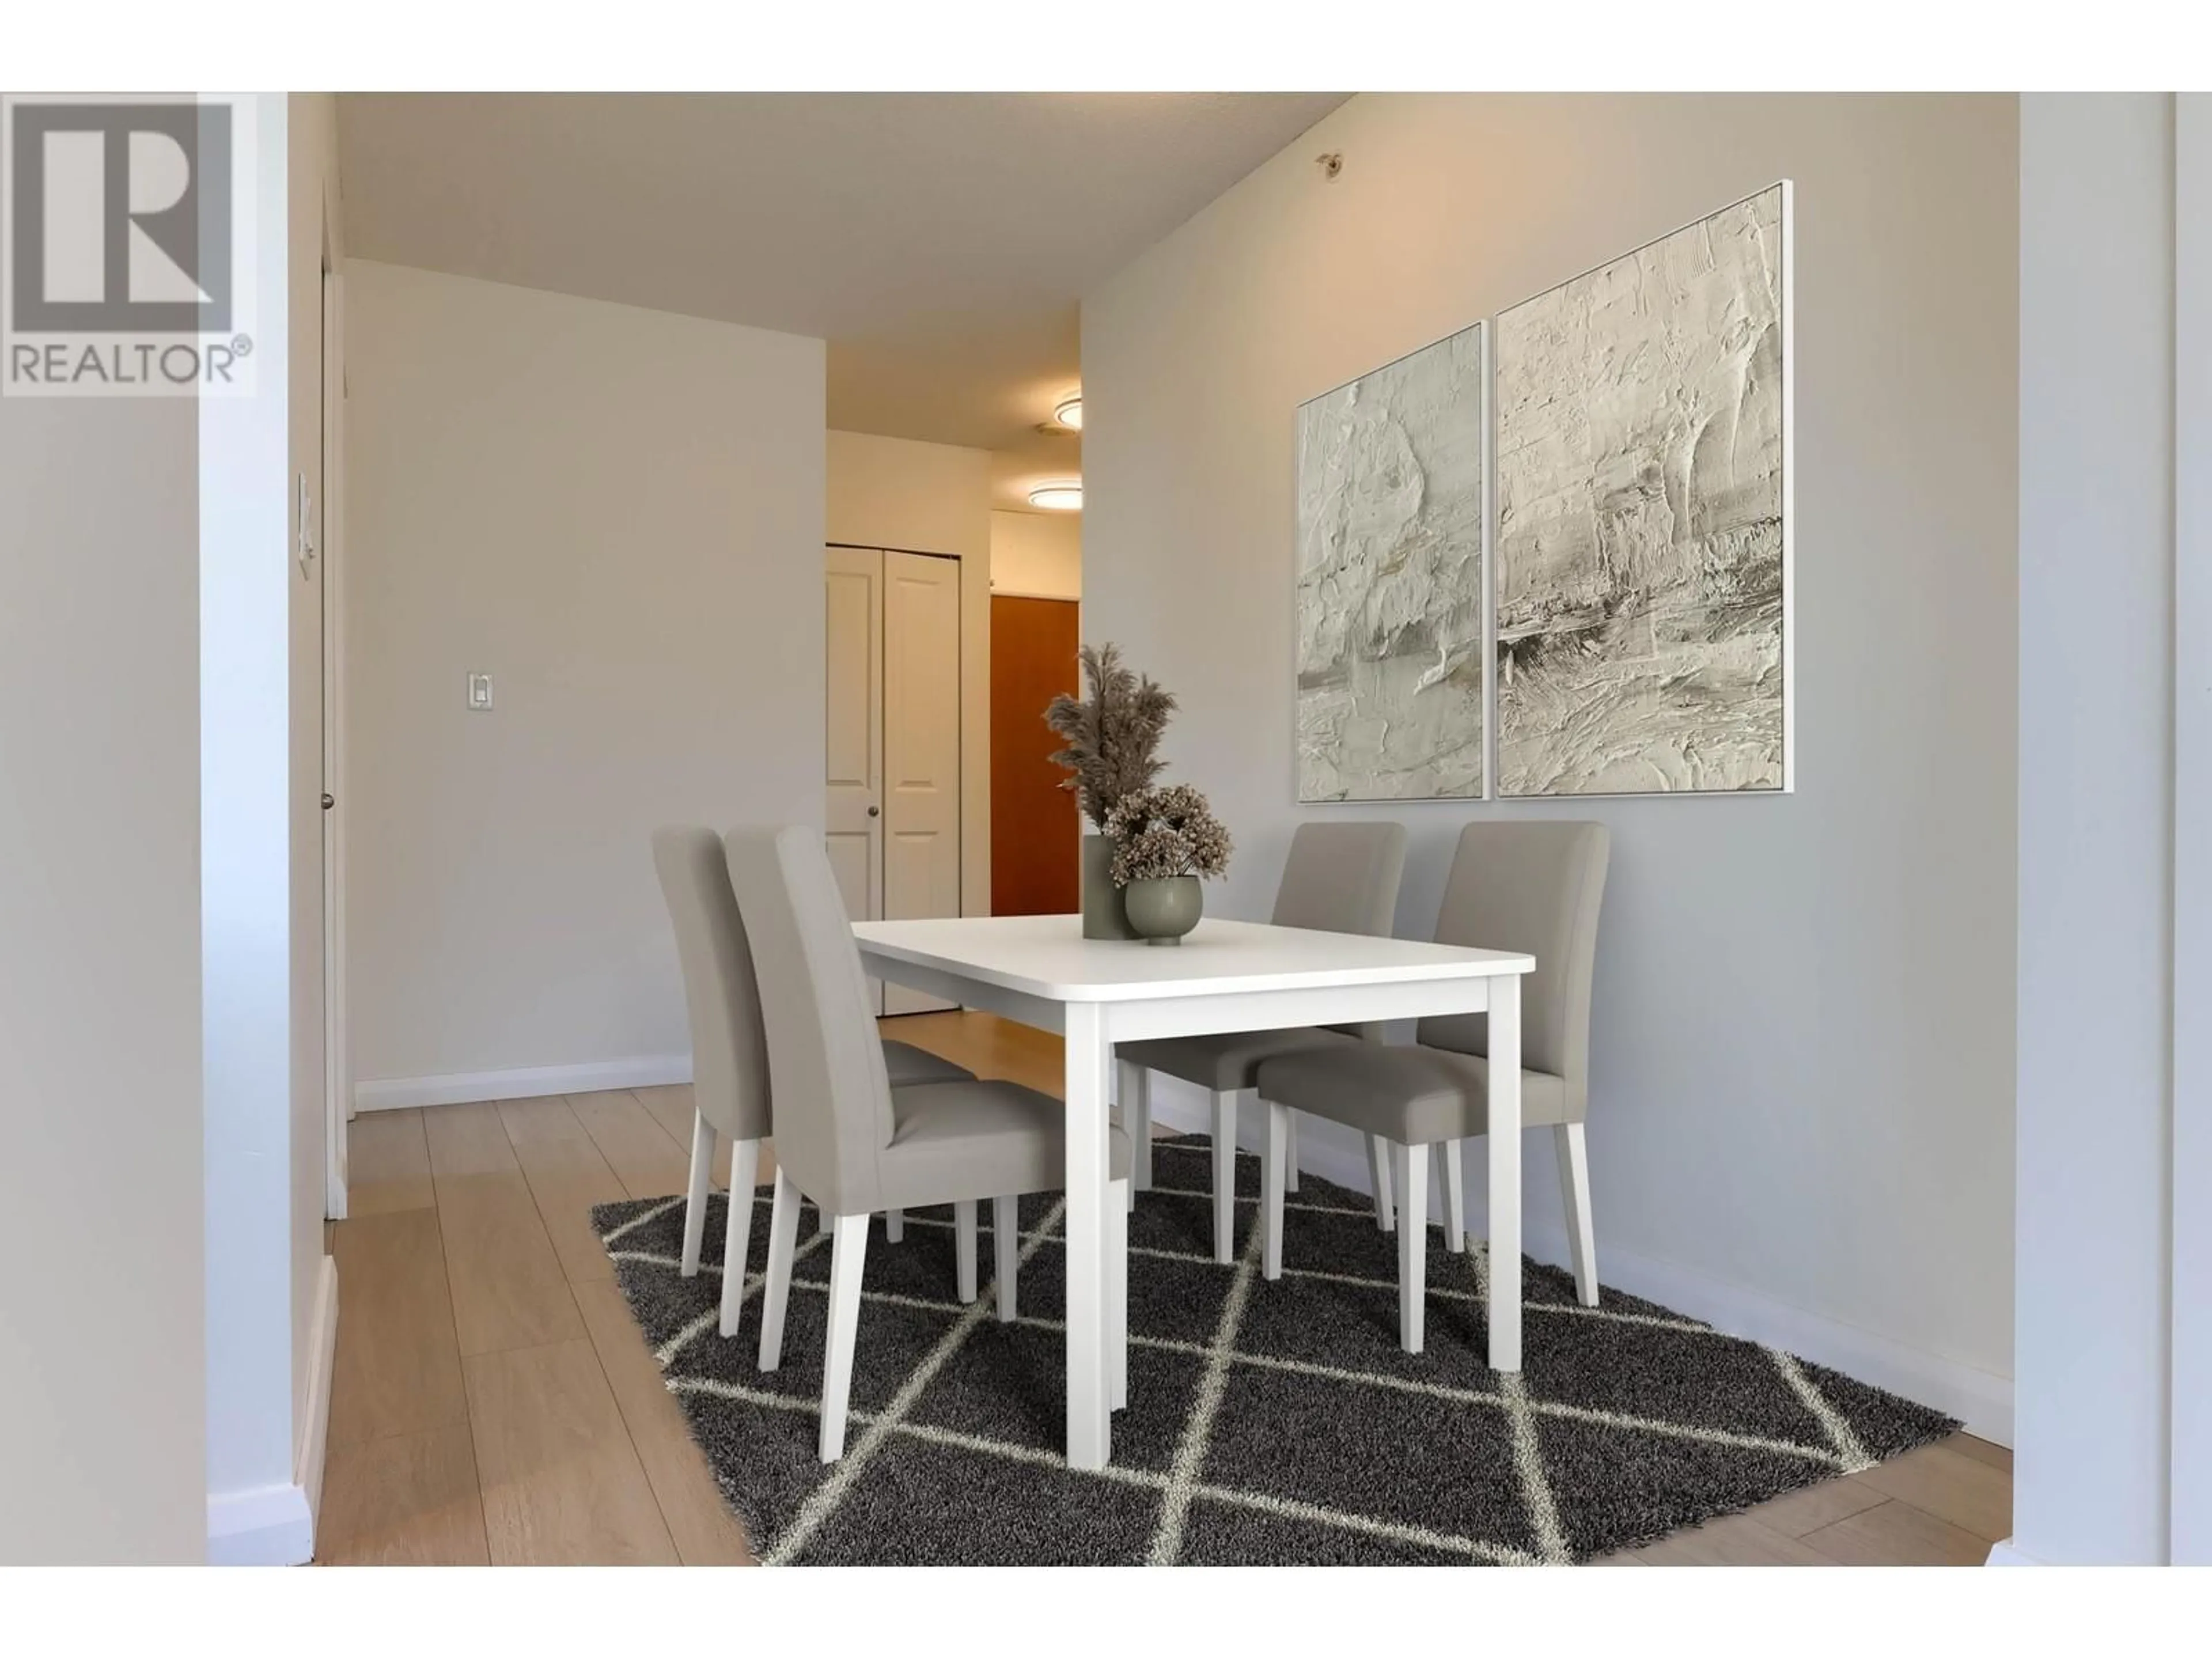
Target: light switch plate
<point>480,692</point>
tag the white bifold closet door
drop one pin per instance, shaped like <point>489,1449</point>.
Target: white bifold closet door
<point>892,823</point>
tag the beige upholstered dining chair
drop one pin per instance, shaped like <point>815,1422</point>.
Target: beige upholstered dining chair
<point>853,1142</point>
<point>729,1057</point>
<point>1340,879</point>
<point>1528,886</point>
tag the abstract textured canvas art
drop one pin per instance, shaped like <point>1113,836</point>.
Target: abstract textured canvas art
<point>1391,675</point>
<point>1641,538</point>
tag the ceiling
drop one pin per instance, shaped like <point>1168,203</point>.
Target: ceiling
<point>941,242</point>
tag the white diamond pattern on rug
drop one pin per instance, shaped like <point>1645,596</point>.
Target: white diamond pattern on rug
<point>1269,1423</point>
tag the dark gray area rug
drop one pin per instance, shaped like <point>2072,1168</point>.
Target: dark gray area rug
<point>1267,1423</point>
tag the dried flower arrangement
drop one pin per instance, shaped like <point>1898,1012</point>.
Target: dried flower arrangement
<point>1112,737</point>
<point>1161,834</point>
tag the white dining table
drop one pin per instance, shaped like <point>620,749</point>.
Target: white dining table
<point>1224,977</point>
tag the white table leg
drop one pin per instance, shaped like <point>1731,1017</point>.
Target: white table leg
<point>1117,1294</point>
<point>1504,1310</point>
<point>1089,1414</point>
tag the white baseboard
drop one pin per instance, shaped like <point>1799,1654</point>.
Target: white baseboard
<point>266,1527</point>
<point>275,1526</point>
<point>2007,1554</point>
<point>315,1427</point>
<point>1981,1400</point>
<point>453,1088</point>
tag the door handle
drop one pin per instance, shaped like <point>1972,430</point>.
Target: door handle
<point>329,800</point>
<point>875,811</point>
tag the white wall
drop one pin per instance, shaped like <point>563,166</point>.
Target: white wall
<point>618,514</point>
<point>103,1426</point>
<point>272,1290</point>
<point>314,220</point>
<point>1038,555</point>
<point>933,498</point>
<point>257,1511</point>
<point>1801,1122</point>
<point>2096,717</point>
<point>2192,833</point>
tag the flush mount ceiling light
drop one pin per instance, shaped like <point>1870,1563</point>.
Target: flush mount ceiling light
<point>1068,411</point>
<point>1058,497</point>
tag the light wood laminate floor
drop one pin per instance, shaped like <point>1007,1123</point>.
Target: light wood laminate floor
<point>493,1403</point>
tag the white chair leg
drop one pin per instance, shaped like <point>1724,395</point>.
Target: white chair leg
<point>1454,1195</point>
<point>1289,1150</point>
<point>695,1194</point>
<point>782,1236</point>
<point>1006,1248</point>
<point>737,1236</point>
<point>1274,1172</point>
<point>848,1254</point>
<point>1378,1169</point>
<point>1224,1174</point>
<point>822,1218</point>
<point>964,1249</point>
<point>1136,1095</point>
<point>1117,1297</point>
<point>1413,1173</point>
<point>894,1225</point>
<point>1574,1188</point>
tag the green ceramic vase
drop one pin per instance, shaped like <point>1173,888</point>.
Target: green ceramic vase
<point>1162,912</point>
<point>1102,916</point>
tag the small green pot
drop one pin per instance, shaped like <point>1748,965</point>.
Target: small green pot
<point>1162,912</point>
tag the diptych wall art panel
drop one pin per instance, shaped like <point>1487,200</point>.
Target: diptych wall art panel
<point>1391,670</point>
<point>1641,554</point>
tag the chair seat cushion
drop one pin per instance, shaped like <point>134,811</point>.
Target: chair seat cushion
<point>1409,1093</point>
<point>977,1139</point>
<point>905,1064</point>
<point>1229,1060</point>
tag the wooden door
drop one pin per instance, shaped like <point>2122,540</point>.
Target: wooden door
<point>921,748</point>
<point>852,823</point>
<point>1036,828</point>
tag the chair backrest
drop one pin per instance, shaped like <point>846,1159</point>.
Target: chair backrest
<point>833,1098</point>
<point>1535,887</point>
<point>729,1057</point>
<point>1342,878</point>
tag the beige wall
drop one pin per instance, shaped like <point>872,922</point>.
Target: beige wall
<point>618,514</point>
<point>1039,555</point>
<point>895,492</point>
<point>1801,1117</point>
<point>933,498</point>
<point>102,1320</point>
